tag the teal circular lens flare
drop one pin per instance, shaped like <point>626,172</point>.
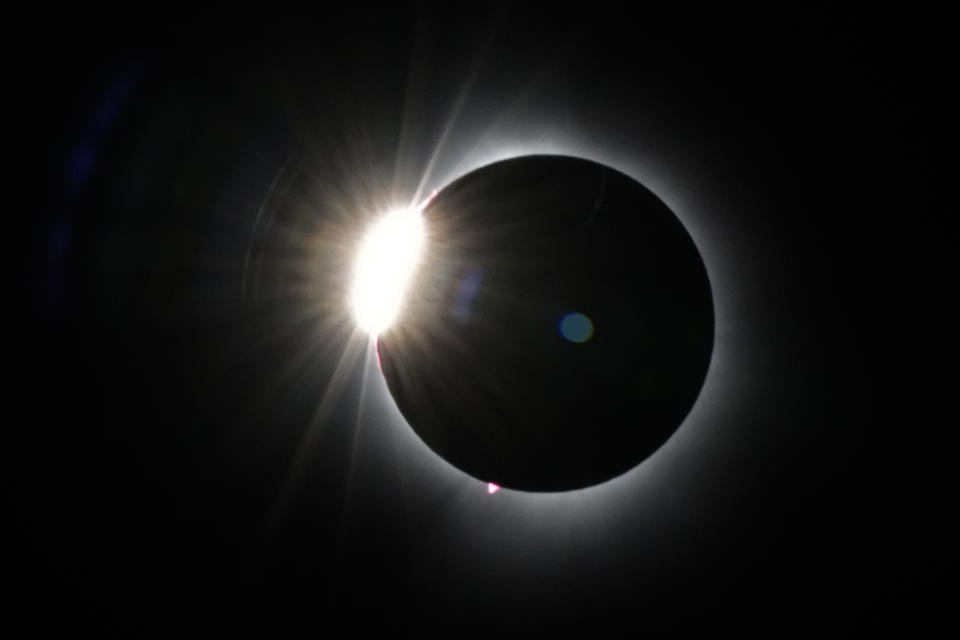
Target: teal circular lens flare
<point>576,327</point>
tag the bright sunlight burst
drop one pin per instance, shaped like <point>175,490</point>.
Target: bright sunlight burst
<point>384,267</point>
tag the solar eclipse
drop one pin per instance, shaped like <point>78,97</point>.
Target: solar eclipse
<point>491,362</point>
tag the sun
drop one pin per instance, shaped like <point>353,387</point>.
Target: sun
<point>385,264</point>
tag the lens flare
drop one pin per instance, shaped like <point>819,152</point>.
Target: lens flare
<point>386,262</point>
<point>576,327</point>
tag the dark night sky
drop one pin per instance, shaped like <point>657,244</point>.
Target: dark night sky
<point>180,451</point>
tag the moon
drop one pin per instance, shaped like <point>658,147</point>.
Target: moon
<point>558,327</point>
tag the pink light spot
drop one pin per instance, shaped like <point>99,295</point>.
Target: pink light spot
<point>423,205</point>
<point>492,487</point>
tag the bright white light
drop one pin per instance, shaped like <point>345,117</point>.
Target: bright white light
<point>385,264</point>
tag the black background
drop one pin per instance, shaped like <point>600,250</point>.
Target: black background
<point>163,465</point>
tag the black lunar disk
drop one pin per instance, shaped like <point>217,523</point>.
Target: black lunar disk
<point>559,328</point>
